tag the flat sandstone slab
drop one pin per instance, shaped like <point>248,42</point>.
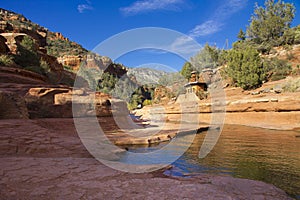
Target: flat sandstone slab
<point>44,159</point>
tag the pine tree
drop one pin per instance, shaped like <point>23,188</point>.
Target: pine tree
<point>241,35</point>
<point>245,68</point>
<point>270,22</point>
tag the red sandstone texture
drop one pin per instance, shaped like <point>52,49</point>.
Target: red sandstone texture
<point>44,159</point>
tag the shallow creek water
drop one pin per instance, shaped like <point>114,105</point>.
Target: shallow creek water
<point>270,156</point>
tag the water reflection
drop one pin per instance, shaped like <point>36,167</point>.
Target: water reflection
<point>259,154</point>
<point>245,152</point>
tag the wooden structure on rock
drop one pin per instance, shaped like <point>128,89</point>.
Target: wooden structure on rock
<point>196,84</point>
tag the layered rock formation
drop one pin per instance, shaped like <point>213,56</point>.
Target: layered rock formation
<point>47,92</point>
<point>57,103</point>
<point>267,107</point>
<point>71,61</point>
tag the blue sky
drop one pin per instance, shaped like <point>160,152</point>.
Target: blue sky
<point>89,22</point>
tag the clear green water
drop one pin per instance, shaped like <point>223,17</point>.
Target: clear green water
<point>259,154</point>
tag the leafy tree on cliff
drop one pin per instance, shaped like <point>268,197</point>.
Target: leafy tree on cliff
<point>269,23</point>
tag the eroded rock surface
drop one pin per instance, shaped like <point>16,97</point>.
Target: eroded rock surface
<point>12,106</point>
<point>44,159</point>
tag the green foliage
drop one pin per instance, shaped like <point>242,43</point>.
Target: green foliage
<point>269,23</point>
<point>147,102</point>
<point>296,71</point>
<point>107,82</point>
<point>27,55</point>
<point>124,88</point>
<point>28,43</point>
<point>277,69</point>
<point>6,60</point>
<point>208,57</point>
<point>186,70</point>
<point>58,47</point>
<point>136,99</point>
<point>222,57</point>
<point>291,36</point>
<point>292,85</point>
<point>142,95</point>
<point>68,68</point>
<point>264,47</point>
<point>241,35</point>
<point>245,68</point>
<point>297,34</point>
<point>132,105</point>
<point>44,66</point>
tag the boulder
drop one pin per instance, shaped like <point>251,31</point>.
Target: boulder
<point>278,89</point>
<point>66,103</point>
<point>40,103</point>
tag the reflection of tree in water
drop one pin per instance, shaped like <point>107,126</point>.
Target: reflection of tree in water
<point>245,152</point>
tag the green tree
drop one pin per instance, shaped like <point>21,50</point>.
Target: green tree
<point>186,70</point>
<point>291,36</point>
<point>107,82</point>
<point>277,69</point>
<point>27,53</point>
<point>206,58</point>
<point>245,68</point>
<point>241,35</point>
<point>270,22</point>
<point>6,60</point>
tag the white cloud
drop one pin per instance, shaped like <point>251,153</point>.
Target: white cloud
<point>83,7</point>
<point>216,21</point>
<point>207,28</point>
<point>151,5</point>
<point>229,8</point>
<point>182,45</point>
<point>185,45</point>
<point>188,46</point>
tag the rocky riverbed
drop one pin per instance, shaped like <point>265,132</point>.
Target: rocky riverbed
<point>44,158</point>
